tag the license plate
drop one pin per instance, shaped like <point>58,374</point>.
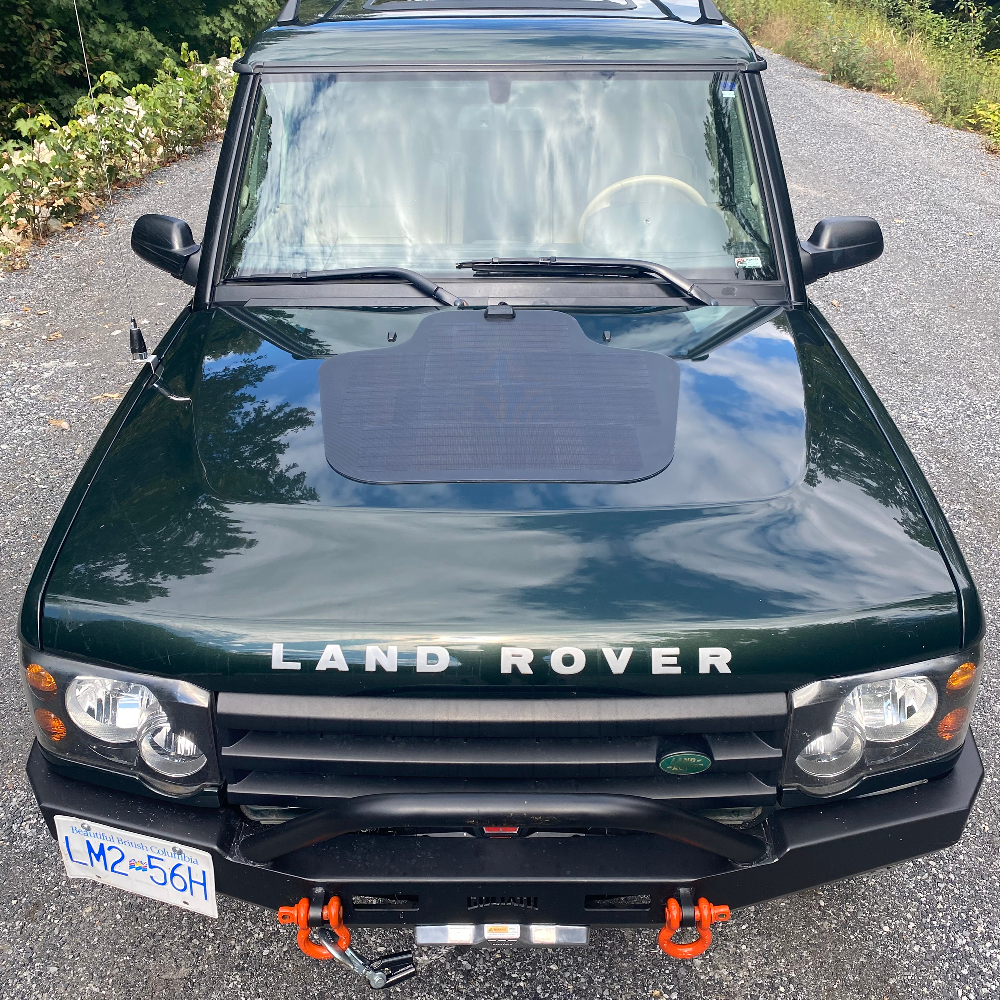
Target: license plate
<point>158,869</point>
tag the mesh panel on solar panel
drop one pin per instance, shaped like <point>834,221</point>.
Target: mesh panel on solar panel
<point>471,399</point>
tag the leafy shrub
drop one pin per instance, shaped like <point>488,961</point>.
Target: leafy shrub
<point>985,118</point>
<point>847,59</point>
<point>51,173</point>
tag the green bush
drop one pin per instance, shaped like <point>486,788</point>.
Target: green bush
<point>985,118</point>
<point>51,173</point>
<point>846,58</point>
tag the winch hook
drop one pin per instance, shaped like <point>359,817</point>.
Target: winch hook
<point>683,912</point>
<point>326,921</point>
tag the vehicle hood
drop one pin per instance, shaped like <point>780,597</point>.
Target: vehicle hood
<point>781,544</point>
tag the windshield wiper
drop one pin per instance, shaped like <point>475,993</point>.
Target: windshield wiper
<point>597,267</point>
<point>430,288</point>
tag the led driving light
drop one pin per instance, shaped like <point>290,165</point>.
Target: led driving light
<point>893,710</point>
<point>173,754</point>
<point>910,720</point>
<point>836,752</point>
<point>107,709</point>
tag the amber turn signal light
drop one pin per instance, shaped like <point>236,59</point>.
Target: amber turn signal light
<point>50,724</point>
<point>40,679</point>
<point>961,677</point>
<point>952,724</point>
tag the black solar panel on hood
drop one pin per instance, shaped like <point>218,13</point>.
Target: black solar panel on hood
<point>471,399</point>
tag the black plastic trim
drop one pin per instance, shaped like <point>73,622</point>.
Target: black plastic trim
<point>316,791</point>
<point>289,13</point>
<point>389,716</point>
<point>408,756</point>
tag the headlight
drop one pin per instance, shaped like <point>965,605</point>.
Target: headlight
<point>152,728</point>
<point>168,752</point>
<point>836,752</point>
<point>895,709</point>
<point>110,710</point>
<point>847,728</point>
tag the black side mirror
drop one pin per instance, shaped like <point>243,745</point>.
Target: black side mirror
<point>168,244</point>
<point>840,243</point>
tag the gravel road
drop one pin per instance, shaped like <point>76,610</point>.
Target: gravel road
<point>922,322</point>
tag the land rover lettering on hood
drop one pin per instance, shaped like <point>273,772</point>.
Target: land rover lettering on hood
<point>501,543</point>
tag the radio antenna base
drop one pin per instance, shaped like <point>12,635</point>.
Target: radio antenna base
<point>137,343</point>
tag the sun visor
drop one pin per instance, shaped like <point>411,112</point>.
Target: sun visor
<point>527,398</point>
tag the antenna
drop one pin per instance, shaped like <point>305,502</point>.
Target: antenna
<point>137,343</point>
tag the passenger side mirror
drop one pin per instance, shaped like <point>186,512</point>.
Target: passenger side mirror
<point>840,243</point>
<point>167,243</point>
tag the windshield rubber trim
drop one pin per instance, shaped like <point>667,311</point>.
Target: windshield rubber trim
<point>235,169</point>
<point>775,187</point>
<point>219,248</point>
<point>763,164</point>
<point>216,224</point>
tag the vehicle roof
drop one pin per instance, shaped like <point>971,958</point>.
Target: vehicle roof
<point>392,32</point>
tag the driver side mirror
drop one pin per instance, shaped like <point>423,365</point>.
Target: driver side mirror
<point>167,243</point>
<point>840,243</point>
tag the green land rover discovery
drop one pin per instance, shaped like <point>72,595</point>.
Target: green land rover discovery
<point>500,543</point>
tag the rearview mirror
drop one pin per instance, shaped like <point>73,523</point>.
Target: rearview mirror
<point>839,243</point>
<point>167,243</point>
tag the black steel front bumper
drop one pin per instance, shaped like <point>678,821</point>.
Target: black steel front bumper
<point>566,880</point>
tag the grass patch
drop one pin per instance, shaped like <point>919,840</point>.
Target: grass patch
<point>897,47</point>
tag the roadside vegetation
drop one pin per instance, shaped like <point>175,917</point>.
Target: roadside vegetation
<point>154,99</point>
<point>52,174</point>
<point>947,63</point>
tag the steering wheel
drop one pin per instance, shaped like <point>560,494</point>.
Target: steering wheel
<point>603,200</point>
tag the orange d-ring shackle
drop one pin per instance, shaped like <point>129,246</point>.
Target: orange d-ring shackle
<point>333,914</point>
<point>705,914</point>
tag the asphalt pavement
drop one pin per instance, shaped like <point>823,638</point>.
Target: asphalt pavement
<point>923,324</point>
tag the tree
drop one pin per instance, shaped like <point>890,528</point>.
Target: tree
<point>41,64</point>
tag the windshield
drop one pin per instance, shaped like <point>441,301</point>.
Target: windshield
<point>425,170</point>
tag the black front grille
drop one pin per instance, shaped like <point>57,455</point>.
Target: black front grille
<point>301,751</point>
